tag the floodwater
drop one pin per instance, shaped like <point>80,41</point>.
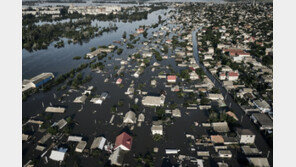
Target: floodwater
<point>59,60</point>
<point>93,124</point>
<point>245,120</point>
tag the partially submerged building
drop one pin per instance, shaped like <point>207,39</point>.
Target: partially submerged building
<point>98,142</point>
<point>36,81</point>
<point>116,157</point>
<point>153,100</point>
<point>55,109</point>
<point>130,118</point>
<point>80,146</point>
<point>58,155</point>
<point>220,127</point>
<point>245,136</point>
<point>263,121</point>
<point>157,129</point>
<point>123,141</point>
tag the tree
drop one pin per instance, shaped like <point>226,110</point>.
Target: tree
<point>204,101</point>
<point>124,35</point>
<point>145,34</point>
<point>159,19</point>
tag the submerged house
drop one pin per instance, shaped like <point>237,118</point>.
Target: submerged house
<point>36,81</point>
<point>58,155</point>
<point>80,99</point>
<point>130,118</point>
<point>116,157</point>
<point>80,146</point>
<point>98,142</point>
<point>123,141</point>
<point>153,100</point>
<point>157,129</point>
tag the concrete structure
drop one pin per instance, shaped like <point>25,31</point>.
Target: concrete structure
<point>153,100</point>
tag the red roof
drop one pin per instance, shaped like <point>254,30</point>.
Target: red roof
<point>191,68</point>
<point>233,74</point>
<point>222,74</point>
<point>233,52</point>
<point>125,140</point>
<point>140,30</point>
<point>172,77</point>
<point>119,80</point>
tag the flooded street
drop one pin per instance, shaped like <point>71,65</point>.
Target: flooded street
<point>190,133</point>
<point>94,119</point>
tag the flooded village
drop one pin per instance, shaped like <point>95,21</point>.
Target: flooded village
<point>165,90</point>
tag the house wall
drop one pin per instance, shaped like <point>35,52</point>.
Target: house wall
<point>43,81</point>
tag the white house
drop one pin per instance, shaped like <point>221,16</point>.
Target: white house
<point>246,136</point>
<point>193,75</point>
<point>98,142</point>
<point>232,76</point>
<point>222,76</point>
<point>213,96</point>
<point>58,155</point>
<point>225,154</point>
<point>262,105</point>
<point>157,129</point>
<point>176,113</point>
<point>80,146</point>
<point>153,100</point>
<point>130,118</point>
